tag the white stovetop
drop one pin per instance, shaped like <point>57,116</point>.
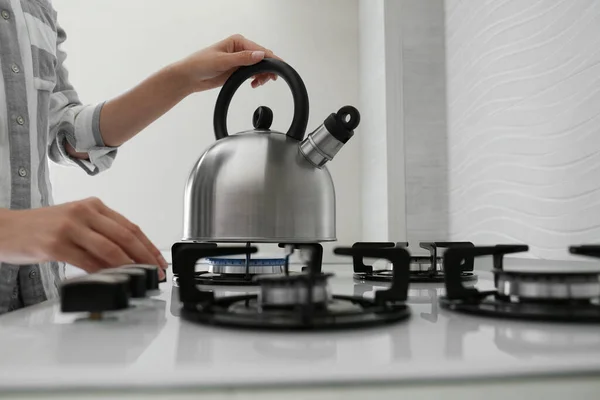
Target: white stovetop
<point>150,346</point>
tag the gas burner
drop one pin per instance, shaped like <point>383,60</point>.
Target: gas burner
<point>235,271</point>
<point>423,269</point>
<point>289,291</point>
<point>558,286</point>
<point>294,302</point>
<point>233,266</point>
<point>543,296</point>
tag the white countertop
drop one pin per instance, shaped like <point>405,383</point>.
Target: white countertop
<point>150,347</point>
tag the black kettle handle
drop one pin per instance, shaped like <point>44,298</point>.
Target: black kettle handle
<point>300,95</point>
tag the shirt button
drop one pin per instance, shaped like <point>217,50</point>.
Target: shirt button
<point>5,14</point>
<point>15,68</point>
<point>32,274</point>
<point>22,172</point>
<point>20,120</point>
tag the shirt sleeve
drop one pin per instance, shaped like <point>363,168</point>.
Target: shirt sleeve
<point>73,122</point>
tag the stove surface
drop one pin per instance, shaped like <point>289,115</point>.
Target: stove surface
<point>149,345</point>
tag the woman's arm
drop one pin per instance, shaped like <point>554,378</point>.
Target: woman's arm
<point>125,116</point>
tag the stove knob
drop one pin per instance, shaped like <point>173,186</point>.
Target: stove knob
<point>137,279</point>
<point>95,293</point>
<point>151,274</point>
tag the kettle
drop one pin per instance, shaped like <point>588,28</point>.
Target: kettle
<point>266,186</point>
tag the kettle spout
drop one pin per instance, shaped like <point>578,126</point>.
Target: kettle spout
<point>325,142</point>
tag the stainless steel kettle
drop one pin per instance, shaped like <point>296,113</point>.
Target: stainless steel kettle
<point>265,186</point>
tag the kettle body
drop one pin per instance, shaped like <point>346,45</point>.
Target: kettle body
<point>241,191</point>
<point>265,186</point>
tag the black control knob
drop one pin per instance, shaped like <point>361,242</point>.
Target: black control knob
<point>151,274</point>
<point>95,293</point>
<point>137,279</point>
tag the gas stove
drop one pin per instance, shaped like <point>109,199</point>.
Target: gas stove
<point>302,300</point>
<point>150,337</point>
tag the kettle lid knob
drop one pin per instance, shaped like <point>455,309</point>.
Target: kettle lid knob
<point>262,118</point>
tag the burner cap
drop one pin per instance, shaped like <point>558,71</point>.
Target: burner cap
<point>289,291</point>
<point>550,286</point>
<point>237,266</point>
<point>242,261</point>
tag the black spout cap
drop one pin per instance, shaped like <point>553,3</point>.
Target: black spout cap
<point>343,123</point>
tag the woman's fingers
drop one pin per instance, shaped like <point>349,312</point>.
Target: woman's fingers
<point>243,44</point>
<point>132,229</point>
<point>240,43</point>
<point>108,252</point>
<point>127,241</point>
<point>73,254</point>
<point>100,247</point>
<point>247,44</point>
<point>261,79</point>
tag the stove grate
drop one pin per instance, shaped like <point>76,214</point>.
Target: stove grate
<point>519,300</point>
<point>433,274</point>
<point>308,313</point>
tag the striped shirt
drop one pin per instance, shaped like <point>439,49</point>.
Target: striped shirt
<point>39,111</point>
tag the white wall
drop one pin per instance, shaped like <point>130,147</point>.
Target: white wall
<point>402,75</point>
<point>372,84</point>
<point>383,197</point>
<point>113,44</point>
<point>524,133</point>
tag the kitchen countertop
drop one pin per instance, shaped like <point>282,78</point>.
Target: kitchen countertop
<point>149,349</point>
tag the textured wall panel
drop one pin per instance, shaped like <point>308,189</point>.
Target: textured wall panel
<point>424,108</point>
<point>524,122</point>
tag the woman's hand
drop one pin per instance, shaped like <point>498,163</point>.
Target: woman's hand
<point>130,113</point>
<point>85,234</point>
<point>211,67</point>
